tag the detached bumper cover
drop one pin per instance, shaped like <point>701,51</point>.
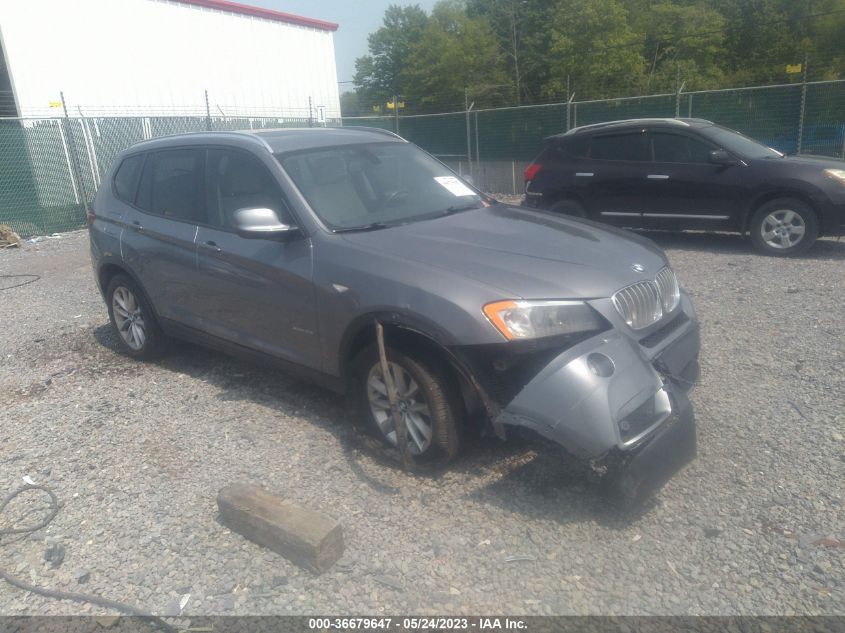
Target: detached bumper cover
<point>631,414</point>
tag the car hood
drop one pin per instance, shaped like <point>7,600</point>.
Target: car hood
<point>824,162</point>
<point>524,253</point>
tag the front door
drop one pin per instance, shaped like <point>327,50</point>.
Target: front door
<point>256,292</point>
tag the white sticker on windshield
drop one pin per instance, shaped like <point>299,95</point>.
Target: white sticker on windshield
<point>455,186</point>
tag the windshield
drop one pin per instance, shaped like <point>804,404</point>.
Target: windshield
<point>376,184</point>
<point>738,144</point>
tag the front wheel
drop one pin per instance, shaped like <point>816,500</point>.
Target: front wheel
<point>784,227</point>
<point>427,403</point>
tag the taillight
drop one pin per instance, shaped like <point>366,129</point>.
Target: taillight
<point>531,171</point>
<point>91,216</point>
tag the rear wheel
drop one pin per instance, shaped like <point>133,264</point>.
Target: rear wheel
<point>428,405</point>
<point>132,319</point>
<point>569,207</point>
<point>784,227</point>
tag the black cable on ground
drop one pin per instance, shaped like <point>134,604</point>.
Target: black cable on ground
<point>30,279</point>
<point>65,595</point>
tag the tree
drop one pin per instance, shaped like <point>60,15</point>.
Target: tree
<point>455,53</point>
<point>523,37</point>
<point>685,41</point>
<point>378,76</point>
<point>594,46</point>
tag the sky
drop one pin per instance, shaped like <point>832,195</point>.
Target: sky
<point>357,19</point>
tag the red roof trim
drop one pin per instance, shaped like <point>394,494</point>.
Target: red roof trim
<point>270,14</point>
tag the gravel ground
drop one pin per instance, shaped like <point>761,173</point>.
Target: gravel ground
<point>137,453</point>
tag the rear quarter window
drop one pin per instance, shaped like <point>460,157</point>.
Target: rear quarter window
<point>126,178</point>
<point>566,149</point>
<point>629,147</point>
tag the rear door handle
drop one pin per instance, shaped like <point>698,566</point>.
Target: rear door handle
<point>658,177</point>
<point>584,174</point>
<point>211,245</point>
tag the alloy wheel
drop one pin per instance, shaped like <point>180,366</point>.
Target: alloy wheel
<point>128,318</point>
<point>413,408</point>
<point>783,229</point>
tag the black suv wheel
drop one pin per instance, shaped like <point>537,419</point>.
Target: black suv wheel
<point>784,227</point>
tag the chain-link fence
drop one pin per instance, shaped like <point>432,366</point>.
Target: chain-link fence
<point>50,167</point>
<point>495,145</point>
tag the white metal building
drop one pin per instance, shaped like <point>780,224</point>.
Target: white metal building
<point>114,57</point>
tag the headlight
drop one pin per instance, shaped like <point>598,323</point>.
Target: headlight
<point>836,174</point>
<point>536,319</point>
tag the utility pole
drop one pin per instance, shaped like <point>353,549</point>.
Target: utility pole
<point>396,113</point>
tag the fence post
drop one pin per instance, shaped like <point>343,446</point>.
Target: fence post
<point>678,99</point>
<point>396,112</point>
<point>74,156</point>
<point>803,107</point>
<point>468,107</point>
<point>208,125</point>
<point>689,105</point>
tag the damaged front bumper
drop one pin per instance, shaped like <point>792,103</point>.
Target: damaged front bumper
<point>619,402</point>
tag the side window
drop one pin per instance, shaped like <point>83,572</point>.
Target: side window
<point>567,148</point>
<point>171,185</point>
<point>620,147</point>
<point>676,148</point>
<point>126,178</point>
<point>236,180</point>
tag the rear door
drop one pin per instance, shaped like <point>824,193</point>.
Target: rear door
<point>255,292</point>
<point>686,189</point>
<point>161,228</point>
<point>617,171</point>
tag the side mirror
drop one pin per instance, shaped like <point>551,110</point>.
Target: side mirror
<point>261,223</point>
<point>721,157</point>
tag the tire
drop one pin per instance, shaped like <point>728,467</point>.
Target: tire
<point>570,208</point>
<point>132,319</point>
<point>435,388</point>
<point>784,227</point>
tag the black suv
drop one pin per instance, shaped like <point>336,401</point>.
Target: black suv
<point>689,174</point>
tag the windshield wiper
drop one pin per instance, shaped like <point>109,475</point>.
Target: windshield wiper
<point>372,226</point>
<point>457,208</point>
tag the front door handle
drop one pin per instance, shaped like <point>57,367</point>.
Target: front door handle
<point>584,174</point>
<point>211,245</point>
<point>658,177</point>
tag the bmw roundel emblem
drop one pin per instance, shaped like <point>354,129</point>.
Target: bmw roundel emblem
<point>637,268</point>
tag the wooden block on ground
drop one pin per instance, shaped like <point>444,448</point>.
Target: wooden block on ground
<point>303,536</point>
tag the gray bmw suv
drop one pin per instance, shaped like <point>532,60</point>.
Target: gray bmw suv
<point>299,246</point>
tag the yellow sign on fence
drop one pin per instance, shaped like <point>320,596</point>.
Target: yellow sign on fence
<point>794,68</point>
<point>54,104</point>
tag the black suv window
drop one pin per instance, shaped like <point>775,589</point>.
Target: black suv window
<point>126,178</point>
<point>172,185</point>
<point>676,148</point>
<point>237,180</point>
<point>631,146</point>
<point>574,147</point>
